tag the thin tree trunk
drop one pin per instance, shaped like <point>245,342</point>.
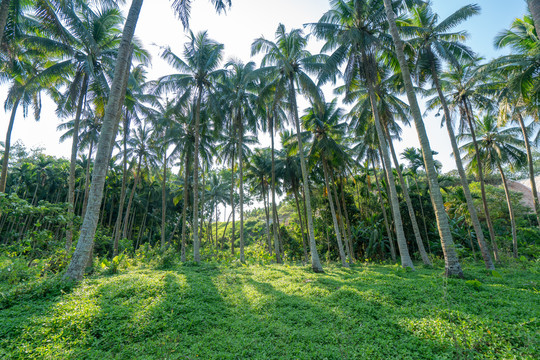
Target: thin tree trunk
<point>195,225</point>
<point>241,186</point>
<point>131,196</point>
<point>119,217</point>
<point>184,209</point>
<point>7,146</point>
<point>163,200</point>
<point>346,212</point>
<point>73,165</point>
<point>87,178</point>
<point>267,214</point>
<point>412,215</point>
<point>225,229</point>
<point>315,261</point>
<point>333,212</point>
<point>383,147</point>
<point>274,210</point>
<point>463,177</point>
<point>452,265</point>
<point>510,212</point>
<point>423,213</point>
<point>530,162</point>
<point>385,217</point>
<point>232,200</point>
<point>482,182</point>
<point>75,269</point>
<point>300,218</point>
<point>340,215</point>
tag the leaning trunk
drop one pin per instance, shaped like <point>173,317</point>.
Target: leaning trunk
<point>274,210</point>
<point>534,8</point>
<point>463,177</point>
<point>76,267</point>
<point>385,216</point>
<point>131,196</point>
<point>73,166</point>
<point>334,217</point>
<point>452,265</point>
<point>315,261</point>
<point>300,218</point>
<point>123,189</point>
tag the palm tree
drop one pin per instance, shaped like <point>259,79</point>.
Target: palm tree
<point>452,265</point>
<point>198,76</point>
<point>534,8</point>
<point>356,33</point>
<point>238,91</point>
<point>288,59</point>
<point>81,255</point>
<point>323,121</point>
<point>498,147</point>
<point>435,44</point>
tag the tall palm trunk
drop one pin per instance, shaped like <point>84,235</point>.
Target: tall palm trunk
<point>119,217</point>
<point>131,196</point>
<point>385,216</point>
<point>394,202</point>
<point>463,177</point>
<point>412,215</point>
<point>232,201</point>
<point>4,13</point>
<point>534,8</point>
<point>468,112</point>
<point>73,165</point>
<point>267,214</point>
<point>348,223</point>
<point>274,210</point>
<point>300,218</point>
<point>510,211</point>
<point>163,200</point>
<point>340,215</point>
<point>315,261</point>
<point>7,146</point>
<point>452,265</point>
<point>241,186</point>
<point>76,267</point>
<point>184,209</point>
<point>87,178</point>
<point>333,212</point>
<point>530,163</point>
<point>195,225</point>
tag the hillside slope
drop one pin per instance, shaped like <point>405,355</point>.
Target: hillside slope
<point>279,312</point>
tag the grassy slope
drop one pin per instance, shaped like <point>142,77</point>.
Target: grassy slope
<point>271,312</point>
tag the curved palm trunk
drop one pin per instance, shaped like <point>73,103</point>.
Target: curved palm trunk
<point>530,164</point>
<point>7,147</point>
<point>195,225</point>
<point>385,217</point>
<point>163,201</point>
<point>184,210</point>
<point>80,256</point>
<point>4,13</point>
<point>383,147</point>
<point>274,210</point>
<point>480,170</point>
<point>510,211</point>
<point>241,186</point>
<point>73,165</point>
<point>534,8</point>
<point>412,215</point>
<point>333,212</point>
<point>315,261</point>
<point>452,265</point>
<point>463,177</point>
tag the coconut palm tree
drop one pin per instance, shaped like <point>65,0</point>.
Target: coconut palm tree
<point>197,76</point>
<point>435,44</point>
<point>452,265</point>
<point>498,146</point>
<point>355,32</point>
<point>288,59</point>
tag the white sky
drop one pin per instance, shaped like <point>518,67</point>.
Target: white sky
<point>250,19</point>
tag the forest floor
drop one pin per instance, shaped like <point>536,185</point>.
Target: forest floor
<point>210,311</point>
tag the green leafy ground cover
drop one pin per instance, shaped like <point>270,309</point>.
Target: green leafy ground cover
<point>275,312</point>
